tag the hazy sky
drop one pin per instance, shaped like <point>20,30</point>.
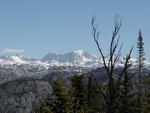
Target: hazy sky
<point>35,27</point>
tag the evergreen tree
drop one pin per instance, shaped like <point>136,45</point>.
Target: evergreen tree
<point>59,103</point>
<point>78,94</point>
<point>94,98</point>
<point>146,93</point>
<point>90,91</point>
<point>126,93</point>
<point>43,109</point>
<point>61,98</point>
<point>140,46</point>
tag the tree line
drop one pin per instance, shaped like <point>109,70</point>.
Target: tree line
<point>126,92</point>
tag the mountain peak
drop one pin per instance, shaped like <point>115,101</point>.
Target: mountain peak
<point>79,52</point>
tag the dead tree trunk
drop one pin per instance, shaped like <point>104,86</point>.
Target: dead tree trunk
<point>113,83</point>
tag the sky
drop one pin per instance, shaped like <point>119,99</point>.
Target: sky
<point>36,27</point>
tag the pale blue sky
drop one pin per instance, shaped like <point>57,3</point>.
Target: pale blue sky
<point>42,26</point>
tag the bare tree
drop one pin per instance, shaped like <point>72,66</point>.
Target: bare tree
<point>113,82</point>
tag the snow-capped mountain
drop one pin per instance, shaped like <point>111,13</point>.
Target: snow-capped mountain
<point>74,58</point>
<point>21,60</point>
<point>78,58</point>
<point>78,61</point>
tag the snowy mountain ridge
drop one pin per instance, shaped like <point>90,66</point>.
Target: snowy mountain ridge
<point>12,67</point>
<point>75,58</point>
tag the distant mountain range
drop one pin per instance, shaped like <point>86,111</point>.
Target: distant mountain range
<point>77,58</point>
<point>12,67</point>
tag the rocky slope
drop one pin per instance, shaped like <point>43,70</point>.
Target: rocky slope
<point>23,95</point>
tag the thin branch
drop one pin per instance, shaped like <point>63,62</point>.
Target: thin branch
<point>96,39</point>
<point>118,55</point>
<point>125,67</point>
<point>113,45</point>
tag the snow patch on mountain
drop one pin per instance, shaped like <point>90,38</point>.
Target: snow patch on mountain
<point>78,52</point>
<point>18,60</point>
